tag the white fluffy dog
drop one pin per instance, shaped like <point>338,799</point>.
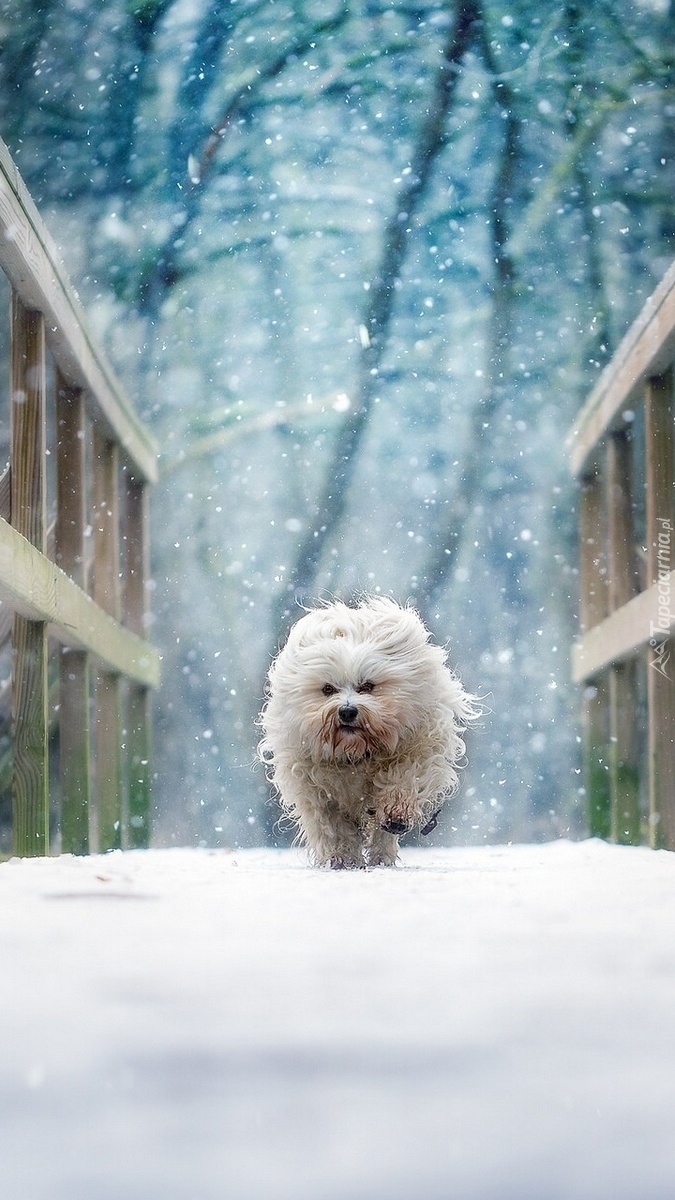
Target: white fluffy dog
<point>362,730</point>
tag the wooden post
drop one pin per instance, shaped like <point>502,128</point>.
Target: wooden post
<point>622,586</point>
<point>74,716</point>
<point>138,712</point>
<point>660,537</point>
<point>106,593</point>
<point>593,608</point>
<point>30,789</point>
<point>108,765</point>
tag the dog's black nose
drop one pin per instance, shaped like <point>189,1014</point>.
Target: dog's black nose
<point>348,713</point>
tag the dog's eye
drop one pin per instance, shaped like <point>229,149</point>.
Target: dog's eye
<point>366,686</point>
<point>328,689</point>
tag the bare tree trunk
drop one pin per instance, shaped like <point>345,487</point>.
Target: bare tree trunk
<point>599,339</point>
<point>332,500</point>
<point>441,561</point>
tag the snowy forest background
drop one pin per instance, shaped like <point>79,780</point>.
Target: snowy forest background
<point>358,264</point>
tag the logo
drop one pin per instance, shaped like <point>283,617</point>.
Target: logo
<point>659,630</point>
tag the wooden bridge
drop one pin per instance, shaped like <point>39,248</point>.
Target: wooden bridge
<point>488,1021</point>
<point>621,451</point>
<point>79,578</point>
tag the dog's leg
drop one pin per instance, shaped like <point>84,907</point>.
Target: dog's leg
<point>405,796</point>
<point>333,839</point>
<point>398,811</point>
<point>383,850</point>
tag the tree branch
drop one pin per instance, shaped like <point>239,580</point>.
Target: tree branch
<point>441,561</point>
<point>190,171</point>
<point>339,471</point>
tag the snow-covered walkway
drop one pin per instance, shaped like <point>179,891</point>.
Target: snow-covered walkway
<point>481,1024</point>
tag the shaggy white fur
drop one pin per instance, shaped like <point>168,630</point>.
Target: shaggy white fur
<point>362,730</point>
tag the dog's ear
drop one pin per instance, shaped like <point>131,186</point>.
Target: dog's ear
<point>398,632</point>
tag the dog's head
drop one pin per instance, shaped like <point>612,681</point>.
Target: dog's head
<point>354,683</point>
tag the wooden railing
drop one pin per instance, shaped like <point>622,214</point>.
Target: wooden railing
<point>83,583</point>
<point>621,451</point>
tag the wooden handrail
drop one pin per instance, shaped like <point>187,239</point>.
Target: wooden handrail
<point>34,587</point>
<point>92,599</point>
<point>622,634</point>
<point>647,350</point>
<point>627,621</point>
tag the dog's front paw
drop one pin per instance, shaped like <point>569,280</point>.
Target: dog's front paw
<point>395,825</point>
<point>345,862</point>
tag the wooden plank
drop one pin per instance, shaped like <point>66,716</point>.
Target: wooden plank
<point>105,584</point>
<point>660,538</point>
<point>661,746</point>
<point>105,588</point>
<point>140,772</point>
<point>74,706</point>
<point>108,761</point>
<point>75,751</point>
<point>6,493</point>
<point>621,555</point>
<point>71,483</point>
<point>624,750</point>
<point>647,349</point>
<point>39,590</point>
<point>620,634</point>
<point>28,477</point>
<point>30,260</point>
<point>595,749</point>
<point>30,782</point>
<point>136,563</point>
<point>593,599</point>
<point>624,779</point>
<point>136,556</point>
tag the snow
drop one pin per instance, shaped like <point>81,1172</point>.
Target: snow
<point>492,1023</point>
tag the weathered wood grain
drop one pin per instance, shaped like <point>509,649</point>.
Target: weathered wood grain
<point>71,481</point>
<point>105,583</point>
<point>621,634</point>
<point>593,601</point>
<point>70,556</point>
<point>30,778</point>
<point>593,593</point>
<point>108,760</point>
<point>136,567</point>
<point>75,751</point>
<point>624,747</point>
<point>39,590</point>
<point>28,477</point>
<point>660,537</point>
<point>136,556</point>
<point>139,731</point>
